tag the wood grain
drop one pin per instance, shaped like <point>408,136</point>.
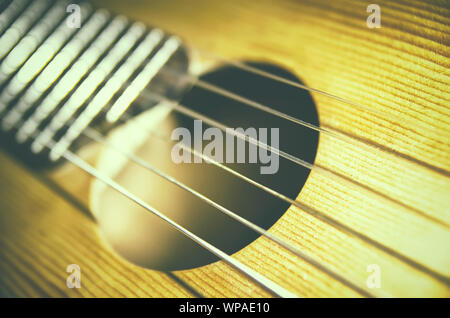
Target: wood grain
<point>399,70</point>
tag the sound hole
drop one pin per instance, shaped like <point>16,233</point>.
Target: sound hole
<point>146,240</point>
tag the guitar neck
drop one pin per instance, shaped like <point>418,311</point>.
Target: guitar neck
<point>66,67</point>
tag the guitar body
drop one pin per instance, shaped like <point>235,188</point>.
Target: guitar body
<point>399,70</point>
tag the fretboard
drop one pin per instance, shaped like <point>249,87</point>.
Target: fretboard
<point>65,67</point>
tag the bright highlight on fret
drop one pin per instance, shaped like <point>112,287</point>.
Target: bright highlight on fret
<point>62,87</point>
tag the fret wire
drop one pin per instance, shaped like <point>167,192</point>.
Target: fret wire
<point>253,275</point>
<point>39,59</point>
<point>55,68</point>
<point>72,77</point>
<point>26,46</point>
<point>274,77</point>
<point>96,136</point>
<point>10,12</point>
<point>295,84</point>
<point>102,98</point>
<point>319,215</point>
<point>354,233</point>
<point>333,272</point>
<point>21,25</point>
<point>86,87</point>
<point>254,70</point>
<point>303,163</point>
<point>143,79</point>
<point>305,208</point>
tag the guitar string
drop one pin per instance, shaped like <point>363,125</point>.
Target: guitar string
<point>311,166</point>
<point>328,130</point>
<point>332,133</point>
<point>307,209</point>
<point>89,133</point>
<point>255,276</point>
<point>96,136</point>
<point>333,272</point>
<point>332,222</point>
<point>261,280</point>
<point>266,74</point>
<point>298,121</point>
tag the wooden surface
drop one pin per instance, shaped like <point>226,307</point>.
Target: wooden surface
<point>399,70</point>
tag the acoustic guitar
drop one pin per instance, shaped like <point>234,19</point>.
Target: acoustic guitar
<point>224,148</point>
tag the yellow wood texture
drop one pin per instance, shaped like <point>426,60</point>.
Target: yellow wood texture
<point>399,70</point>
